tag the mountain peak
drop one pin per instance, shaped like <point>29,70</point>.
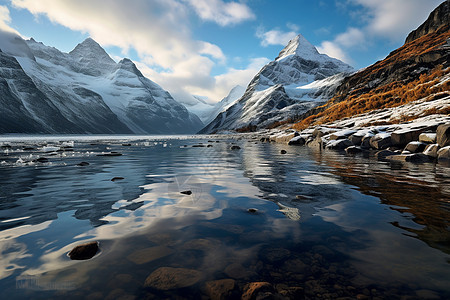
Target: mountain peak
<point>90,49</point>
<point>299,46</point>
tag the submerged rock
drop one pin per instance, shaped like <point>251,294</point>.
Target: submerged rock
<point>146,255</point>
<point>117,178</point>
<point>84,251</point>
<point>283,151</point>
<point>41,160</point>
<point>168,278</point>
<point>235,147</point>
<point>252,210</point>
<point>220,289</point>
<point>112,153</point>
<point>258,290</point>
<point>414,158</point>
<point>83,164</point>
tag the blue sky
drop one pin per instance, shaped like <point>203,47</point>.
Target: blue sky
<point>205,47</point>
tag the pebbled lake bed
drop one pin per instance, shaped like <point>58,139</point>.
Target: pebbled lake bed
<point>303,224</point>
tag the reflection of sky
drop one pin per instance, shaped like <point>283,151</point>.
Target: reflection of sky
<point>148,204</point>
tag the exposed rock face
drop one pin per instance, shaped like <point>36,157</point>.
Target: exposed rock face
<point>274,94</point>
<point>439,17</point>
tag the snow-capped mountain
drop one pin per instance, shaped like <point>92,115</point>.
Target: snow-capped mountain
<point>83,91</point>
<point>299,79</point>
<point>208,111</point>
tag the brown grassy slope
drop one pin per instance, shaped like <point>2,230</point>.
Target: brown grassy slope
<point>407,74</point>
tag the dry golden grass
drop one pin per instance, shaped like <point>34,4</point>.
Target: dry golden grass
<point>387,96</point>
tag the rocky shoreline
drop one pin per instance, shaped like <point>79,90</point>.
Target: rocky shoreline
<point>423,139</point>
<point>417,142</point>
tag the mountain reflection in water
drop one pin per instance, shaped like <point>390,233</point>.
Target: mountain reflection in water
<point>323,223</point>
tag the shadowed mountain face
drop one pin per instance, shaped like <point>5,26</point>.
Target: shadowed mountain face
<point>84,91</point>
<point>299,79</point>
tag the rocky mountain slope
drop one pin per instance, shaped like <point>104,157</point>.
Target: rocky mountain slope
<point>84,91</point>
<point>417,70</point>
<point>299,79</point>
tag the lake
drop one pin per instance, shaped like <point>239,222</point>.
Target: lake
<point>311,224</point>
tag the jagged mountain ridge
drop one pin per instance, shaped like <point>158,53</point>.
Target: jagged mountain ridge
<point>88,92</point>
<point>282,89</point>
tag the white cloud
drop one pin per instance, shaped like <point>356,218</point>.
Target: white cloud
<point>275,36</point>
<point>5,20</point>
<point>394,19</point>
<point>389,19</point>
<point>158,30</point>
<point>353,37</point>
<point>215,88</point>
<point>333,49</point>
<point>222,13</point>
<point>350,39</point>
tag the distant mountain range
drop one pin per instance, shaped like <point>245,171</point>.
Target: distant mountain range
<point>44,90</point>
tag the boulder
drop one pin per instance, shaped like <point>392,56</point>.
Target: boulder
<point>285,137</point>
<point>353,150</point>
<point>235,147</point>
<point>414,158</point>
<point>283,151</point>
<point>427,137</point>
<point>83,164</point>
<point>432,150</point>
<point>339,144</point>
<point>257,290</point>
<point>381,141</point>
<point>220,289</point>
<point>444,153</point>
<point>384,153</point>
<point>84,251</point>
<point>443,135</point>
<point>167,278</point>
<point>402,137</point>
<point>342,134</point>
<point>365,142</point>
<point>317,143</point>
<point>297,141</point>
<point>415,147</point>
<point>322,131</point>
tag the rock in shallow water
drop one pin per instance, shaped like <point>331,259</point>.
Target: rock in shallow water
<point>258,290</point>
<point>220,289</point>
<point>84,251</point>
<point>167,278</point>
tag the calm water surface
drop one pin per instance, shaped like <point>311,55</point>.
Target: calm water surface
<point>327,225</point>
